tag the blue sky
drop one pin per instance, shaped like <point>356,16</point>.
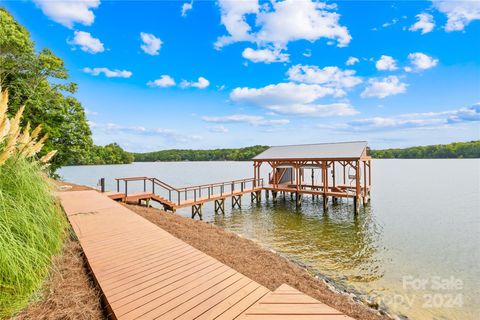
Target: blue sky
<point>205,74</point>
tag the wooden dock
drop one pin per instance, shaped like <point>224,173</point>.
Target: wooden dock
<point>172,198</point>
<point>146,273</point>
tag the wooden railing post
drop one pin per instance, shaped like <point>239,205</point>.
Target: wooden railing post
<point>102,184</point>
<point>126,187</point>
<point>118,185</point>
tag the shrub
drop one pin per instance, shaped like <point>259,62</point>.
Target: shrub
<point>32,227</point>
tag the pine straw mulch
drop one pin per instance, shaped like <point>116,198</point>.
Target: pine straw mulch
<point>69,292</point>
<point>263,266</point>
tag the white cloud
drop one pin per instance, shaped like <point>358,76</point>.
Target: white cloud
<point>89,112</point>
<point>164,81</point>
<point>292,98</point>
<point>459,13</point>
<point>201,83</point>
<point>151,44</point>
<point>420,61</point>
<point>390,23</point>
<point>108,73</point>
<point>187,6</point>
<point>384,87</point>
<point>307,53</point>
<point>86,42</point>
<point>413,120</point>
<point>351,61</point>
<point>280,22</point>
<point>425,23</point>
<point>282,93</point>
<point>386,63</point>
<point>67,13</point>
<point>317,110</point>
<point>116,129</point>
<point>233,17</point>
<point>265,55</point>
<point>332,77</point>
<point>245,118</point>
<point>218,129</point>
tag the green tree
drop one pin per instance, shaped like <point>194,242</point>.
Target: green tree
<point>39,82</point>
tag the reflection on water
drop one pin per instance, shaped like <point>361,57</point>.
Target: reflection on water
<point>422,228</point>
<point>345,244</point>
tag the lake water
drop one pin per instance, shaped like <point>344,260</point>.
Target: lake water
<point>415,249</point>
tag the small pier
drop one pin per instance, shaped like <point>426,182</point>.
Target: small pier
<point>330,171</point>
<point>172,198</point>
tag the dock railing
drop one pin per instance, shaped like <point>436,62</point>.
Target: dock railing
<point>191,193</point>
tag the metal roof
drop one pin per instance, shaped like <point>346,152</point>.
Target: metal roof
<point>340,150</point>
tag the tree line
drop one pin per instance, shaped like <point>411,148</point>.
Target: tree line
<point>39,81</point>
<point>452,150</point>
<point>469,149</point>
<point>241,154</point>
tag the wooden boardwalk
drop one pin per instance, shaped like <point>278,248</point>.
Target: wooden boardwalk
<point>146,273</point>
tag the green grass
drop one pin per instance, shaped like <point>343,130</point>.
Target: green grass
<point>32,230</point>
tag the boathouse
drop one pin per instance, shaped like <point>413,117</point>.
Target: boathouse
<point>329,170</point>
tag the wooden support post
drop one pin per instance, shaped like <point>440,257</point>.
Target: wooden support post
<point>274,195</point>
<point>355,205</point>
<point>237,201</point>
<point>267,194</point>
<point>325,203</point>
<point>364,182</point>
<point>254,174</point>
<point>298,199</point>
<point>102,184</point>
<point>356,200</point>
<point>220,206</point>
<point>197,209</point>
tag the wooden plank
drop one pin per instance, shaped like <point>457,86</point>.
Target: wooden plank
<point>289,303</point>
<point>211,307</point>
<point>162,303</point>
<point>239,307</point>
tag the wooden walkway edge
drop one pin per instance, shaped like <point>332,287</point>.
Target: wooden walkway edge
<point>146,273</point>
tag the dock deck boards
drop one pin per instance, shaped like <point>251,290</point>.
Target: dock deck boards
<point>146,273</point>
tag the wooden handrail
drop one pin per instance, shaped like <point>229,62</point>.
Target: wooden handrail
<point>218,184</point>
<point>178,191</point>
<point>133,178</point>
<point>161,183</point>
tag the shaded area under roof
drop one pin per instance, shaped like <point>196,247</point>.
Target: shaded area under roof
<point>340,150</point>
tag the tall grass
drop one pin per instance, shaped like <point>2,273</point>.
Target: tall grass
<point>32,227</point>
